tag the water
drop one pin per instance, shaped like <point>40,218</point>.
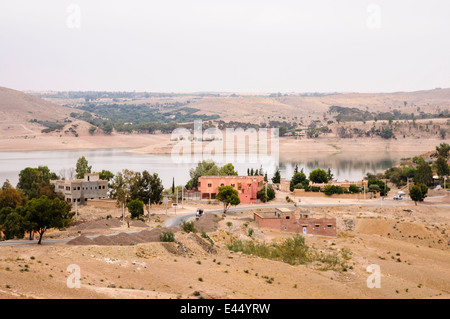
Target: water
<point>351,167</point>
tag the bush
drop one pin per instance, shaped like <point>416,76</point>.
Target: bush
<point>167,237</point>
<point>333,189</point>
<point>188,227</point>
<point>136,208</point>
<point>315,189</point>
<point>354,189</point>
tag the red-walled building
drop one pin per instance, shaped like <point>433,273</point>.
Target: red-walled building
<point>247,186</point>
<point>284,219</point>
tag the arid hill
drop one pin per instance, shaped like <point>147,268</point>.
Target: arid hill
<point>26,115</point>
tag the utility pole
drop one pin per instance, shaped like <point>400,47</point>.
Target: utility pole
<point>149,201</point>
<point>123,214</point>
<point>182,197</point>
<point>177,202</point>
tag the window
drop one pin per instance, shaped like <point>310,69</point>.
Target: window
<point>329,226</point>
<point>233,185</point>
<point>67,188</point>
<point>79,188</point>
<point>209,185</point>
<point>288,217</point>
<point>199,184</point>
<point>317,226</point>
<point>239,186</point>
<point>222,184</point>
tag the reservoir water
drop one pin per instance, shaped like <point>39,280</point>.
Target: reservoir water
<point>344,166</point>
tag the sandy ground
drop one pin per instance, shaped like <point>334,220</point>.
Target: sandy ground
<point>411,248</point>
<point>290,148</point>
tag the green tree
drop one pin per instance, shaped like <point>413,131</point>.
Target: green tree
<point>11,223</point>
<point>276,179</point>
<point>443,149</point>
<point>204,168</point>
<point>227,170</point>
<point>122,186</point>
<point>106,175</point>
<point>10,197</point>
<point>298,178</point>
<point>44,213</point>
<point>228,196</point>
<point>418,192</point>
<point>261,195</point>
<point>442,167</point>
<point>424,174</point>
<point>318,176</point>
<point>35,182</point>
<point>136,208</point>
<point>82,167</point>
<point>330,175</point>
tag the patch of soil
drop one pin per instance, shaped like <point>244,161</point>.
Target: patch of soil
<point>138,223</point>
<point>207,223</point>
<point>81,240</point>
<point>205,245</point>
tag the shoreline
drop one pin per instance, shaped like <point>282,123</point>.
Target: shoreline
<point>160,144</point>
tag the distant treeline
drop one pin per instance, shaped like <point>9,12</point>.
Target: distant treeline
<point>346,114</point>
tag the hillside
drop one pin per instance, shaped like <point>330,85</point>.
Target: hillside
<point>18,109</point>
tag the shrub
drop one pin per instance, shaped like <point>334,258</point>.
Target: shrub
<point>188,227</point>
<point>315,189</point>
<point>354,189</point>
<point>333,189</point>
<point>167,237</point>
<point>136,208</point>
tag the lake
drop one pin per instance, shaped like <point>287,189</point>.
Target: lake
<point>344,166</point>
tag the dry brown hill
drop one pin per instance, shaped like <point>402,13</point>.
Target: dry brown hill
<point>18,108</point>
<point>293,108</point>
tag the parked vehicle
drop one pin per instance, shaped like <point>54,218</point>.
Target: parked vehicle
<point>398,197</point>
<point>199,212</point>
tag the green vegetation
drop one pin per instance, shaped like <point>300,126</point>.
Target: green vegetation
<point>261,195</point>
<point>299,181</point>
<point>82,168</point>
<point>136,208</point>
<point>418,192</point>
<point>228,196</point>
<point>128,185</point>
<point>167,237</point>
<point>293,251</point>
<point>141,118</point>
<point>333,189</point>
<point>188,227</point>
<point>318,176</point>
<point>276,179</point>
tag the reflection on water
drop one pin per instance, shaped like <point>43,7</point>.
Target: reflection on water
<point>344,166</point>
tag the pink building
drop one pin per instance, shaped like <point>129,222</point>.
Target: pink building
<point>247,186</point>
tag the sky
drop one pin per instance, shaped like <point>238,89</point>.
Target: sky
<point>226,46</point>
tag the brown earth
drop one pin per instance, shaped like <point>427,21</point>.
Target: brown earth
<point>410,243</point>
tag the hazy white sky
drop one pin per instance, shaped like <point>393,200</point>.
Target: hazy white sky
<point>229,45</point>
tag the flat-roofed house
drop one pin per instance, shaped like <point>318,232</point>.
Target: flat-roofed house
<point>284,219</point>
<point>247,186</point>
<point>79,191</point>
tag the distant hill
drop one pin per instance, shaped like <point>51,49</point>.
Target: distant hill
<point>23,114</point>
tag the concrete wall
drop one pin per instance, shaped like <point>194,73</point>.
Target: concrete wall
<point>302,193</point>
<point>313,226</point>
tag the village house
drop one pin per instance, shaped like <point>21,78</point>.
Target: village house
<point>81,190</point>
<point>284,219</point>
<point>247,186</point>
